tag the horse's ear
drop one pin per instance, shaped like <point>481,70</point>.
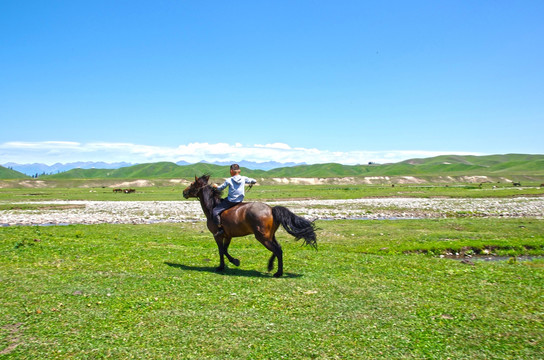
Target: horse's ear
<point>207,177</point>
<point>196,179</point>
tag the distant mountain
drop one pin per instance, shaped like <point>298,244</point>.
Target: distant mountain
<point>453,165</point>
<point>41,169</point>
<point>6,173</point>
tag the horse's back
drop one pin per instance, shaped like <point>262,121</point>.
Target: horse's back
<point>249,217</point>
<point>249,211</point>
<point>259,209</point>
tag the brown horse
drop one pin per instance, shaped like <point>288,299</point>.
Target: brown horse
<point>249,218</point>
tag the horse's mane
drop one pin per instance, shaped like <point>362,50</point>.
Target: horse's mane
<point>215,198</point>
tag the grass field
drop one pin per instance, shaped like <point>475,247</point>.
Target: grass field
<point>372,290</point>
<point>77,190</point>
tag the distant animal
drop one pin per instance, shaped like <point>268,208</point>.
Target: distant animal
<point>117,190</point>
<point>541,185</point>
<point>516,184</point>
<point>128,191</point>
<point>249,218</point>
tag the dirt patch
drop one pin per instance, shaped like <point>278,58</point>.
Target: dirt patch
<point>179,181</point>
<point>135,183</point>
<point>328,181</point>
<point>33,184</point>
<point>410,180</point>
<point>476,179</point>
<point>12,338</point>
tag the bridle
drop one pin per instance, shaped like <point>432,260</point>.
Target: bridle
<point>198,190</point>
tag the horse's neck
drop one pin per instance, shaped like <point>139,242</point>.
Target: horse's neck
<point>207,212</point>
<point>207,202</point>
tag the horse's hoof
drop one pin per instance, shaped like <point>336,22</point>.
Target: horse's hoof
<point>235,262</point>
<point>278,274</point>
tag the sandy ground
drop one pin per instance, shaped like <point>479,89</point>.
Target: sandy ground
<point>146,212</point>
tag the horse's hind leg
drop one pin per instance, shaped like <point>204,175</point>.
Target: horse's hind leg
<point>226,243</point>
<point>271,262</point>
<point>279,255</point>
<point>276,250</point>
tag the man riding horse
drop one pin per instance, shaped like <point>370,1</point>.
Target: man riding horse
<point>236,194</point>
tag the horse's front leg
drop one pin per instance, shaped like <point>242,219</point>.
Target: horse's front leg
<point>226,243</point>
<point>219,241</point>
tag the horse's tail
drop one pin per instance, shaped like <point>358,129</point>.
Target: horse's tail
<point>295,225</point>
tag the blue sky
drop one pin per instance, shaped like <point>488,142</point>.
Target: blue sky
<point>302,81</point>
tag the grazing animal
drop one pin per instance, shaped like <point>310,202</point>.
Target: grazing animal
<point>250,218</point>
<point>117,190</point>
<point>128,191</point>
<point>516,184</point>
<point>542,185</point>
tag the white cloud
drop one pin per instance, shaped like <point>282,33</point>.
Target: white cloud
<point>40,145</point>
<point>51,152</point>
<point>274,146</point>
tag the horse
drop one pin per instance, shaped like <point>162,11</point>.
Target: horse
<point>248,218</point>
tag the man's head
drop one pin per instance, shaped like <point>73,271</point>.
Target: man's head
<point>235,169</point>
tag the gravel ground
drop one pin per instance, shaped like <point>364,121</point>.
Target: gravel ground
<point>145,212</point>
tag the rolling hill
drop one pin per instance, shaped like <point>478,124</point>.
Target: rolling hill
<point>160,170</point>
<point>451,165</point>
<point>6,173</point>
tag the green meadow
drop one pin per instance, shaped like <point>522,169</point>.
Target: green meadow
<point>165,191</point>
<point>388,289</point>
<point>373,289</point>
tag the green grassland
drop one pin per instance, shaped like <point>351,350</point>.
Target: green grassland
<point>374,289</point>
<point>6,173</point>
<point>151,292</point>
<point>165,191</point>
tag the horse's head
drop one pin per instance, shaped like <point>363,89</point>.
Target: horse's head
<point>195,187</point>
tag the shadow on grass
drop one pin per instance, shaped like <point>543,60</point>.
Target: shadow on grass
<point>229,272</point>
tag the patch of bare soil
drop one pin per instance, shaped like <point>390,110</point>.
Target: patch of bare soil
<point>33,184</point>
<point>135,183</point>
<point>12,338</point>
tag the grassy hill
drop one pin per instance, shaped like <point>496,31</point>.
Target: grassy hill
<point>450,165</point>
<point>160,170</point>
<point>493,165</point>
<point>510,164</point>
<point>6,173</point>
